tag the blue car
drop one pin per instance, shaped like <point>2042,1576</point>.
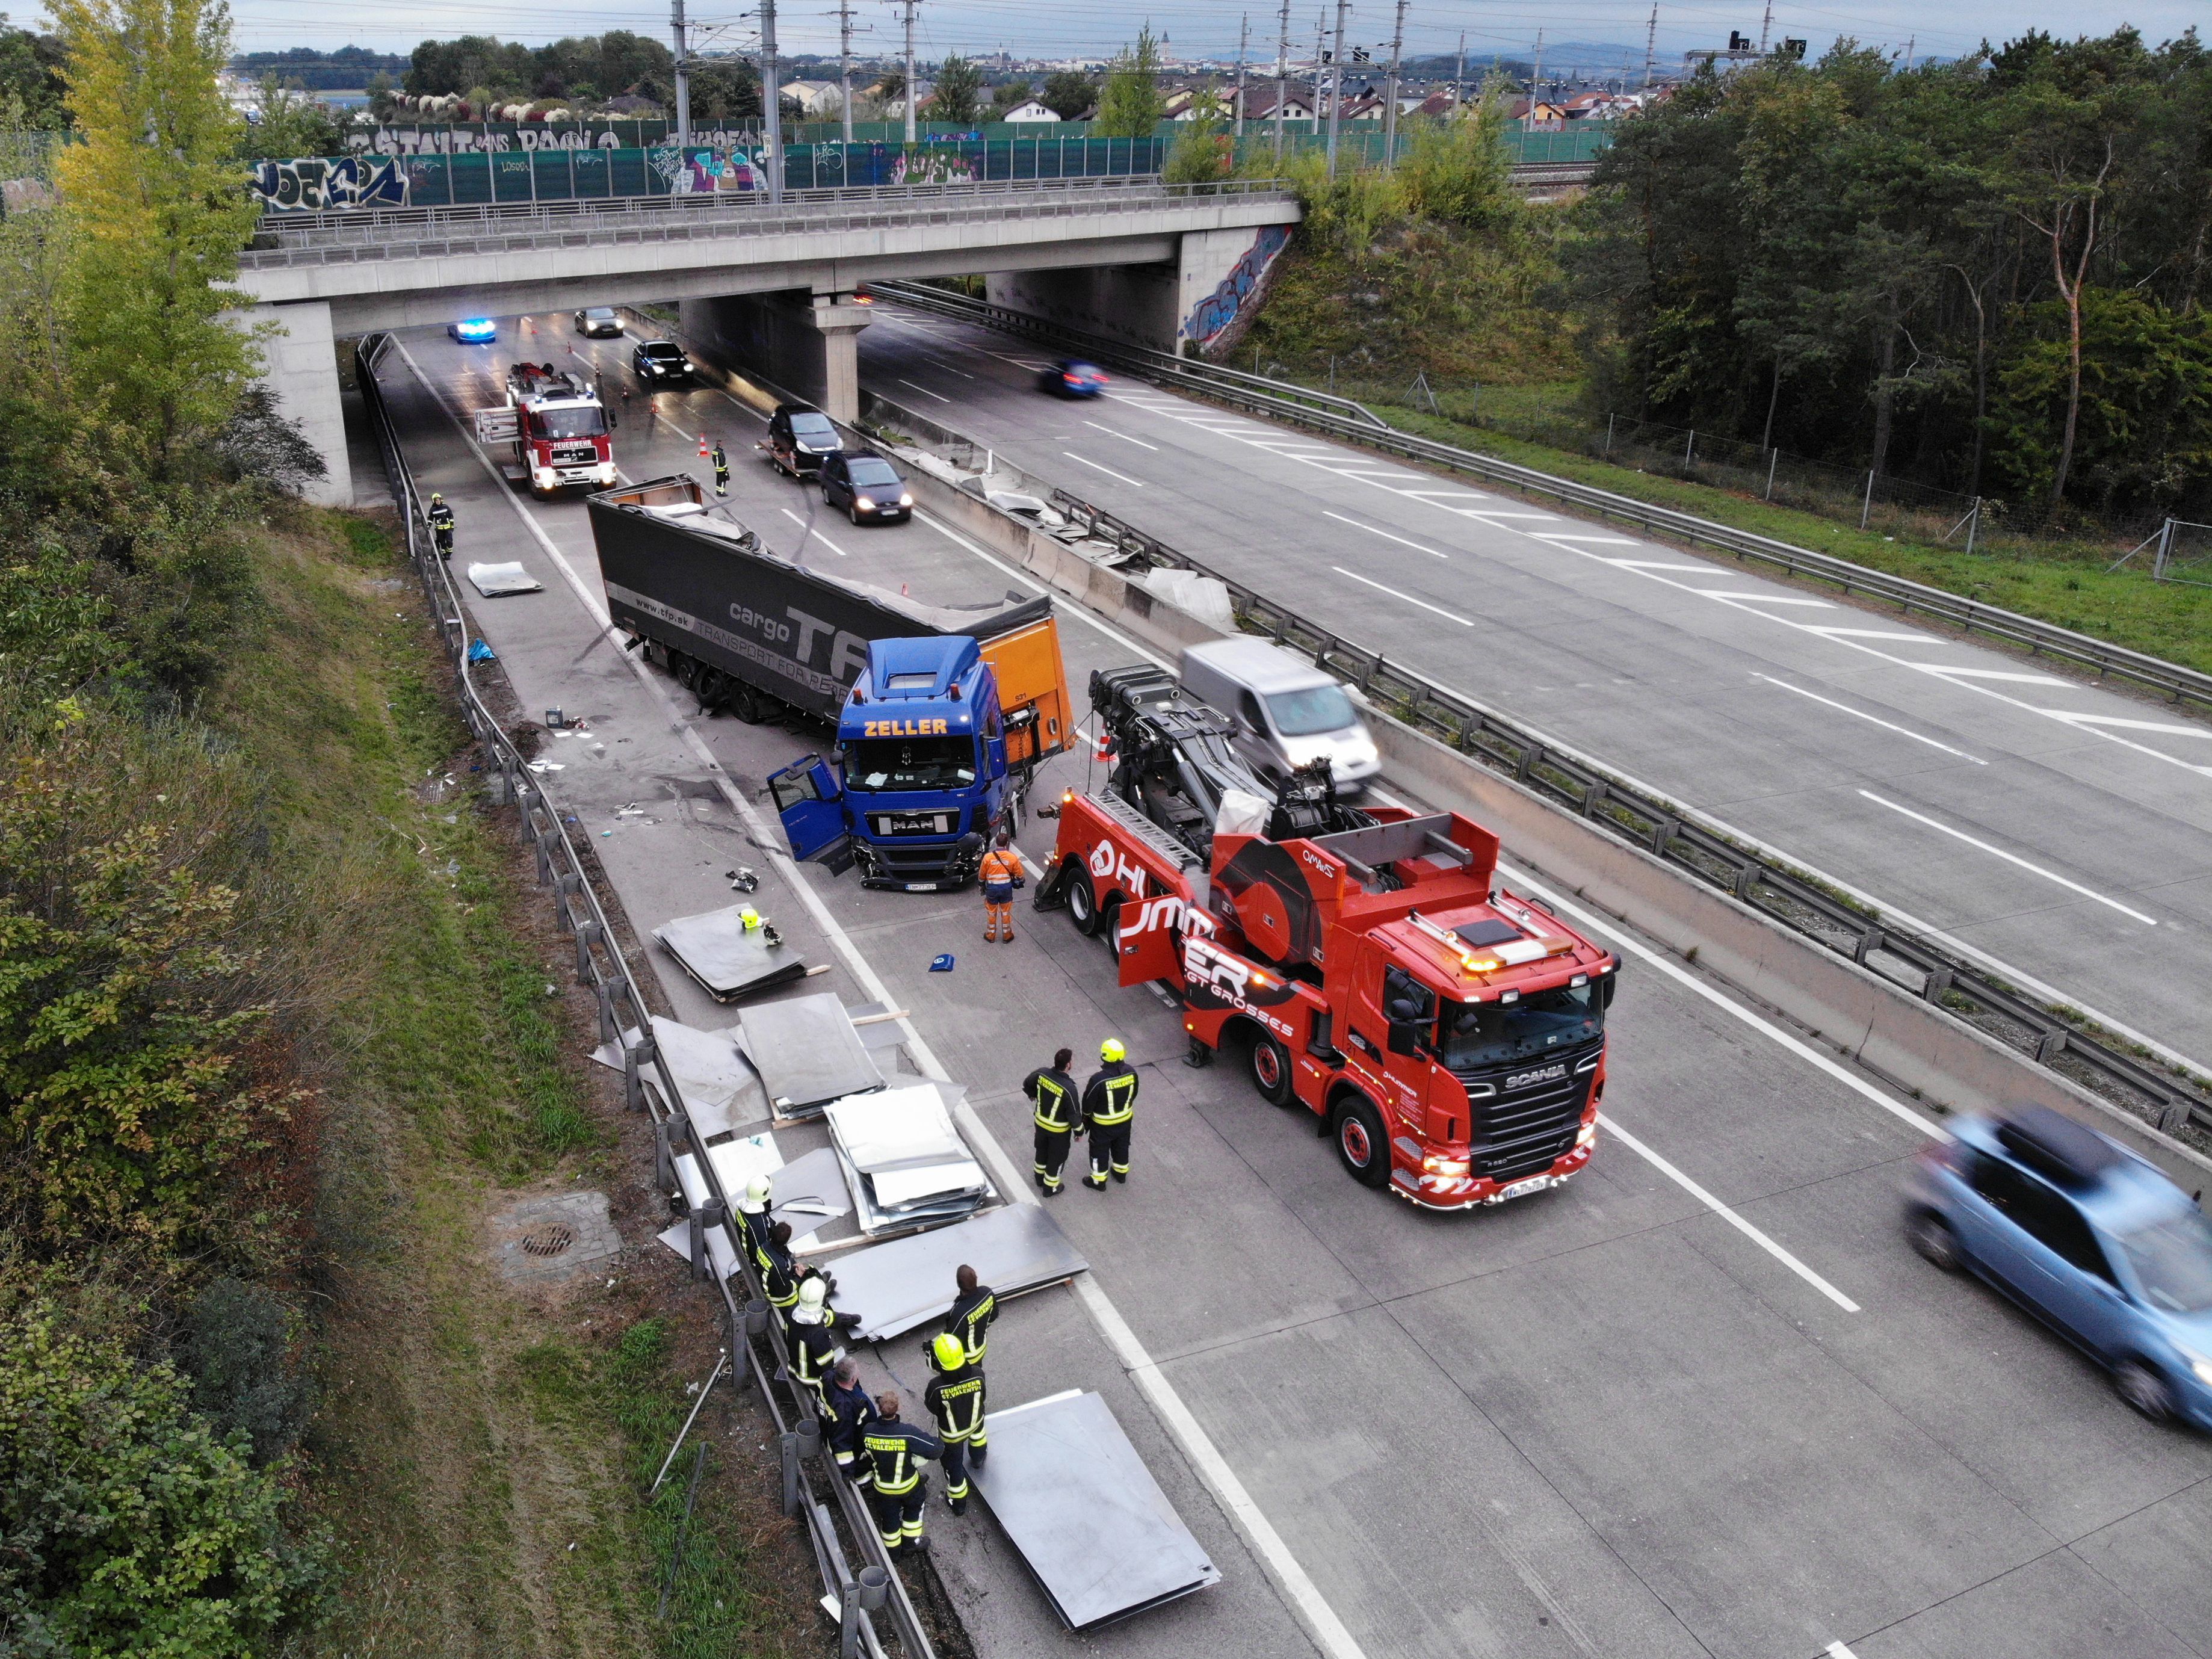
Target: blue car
<point>477,331</point>
<point>2087,1237</point>
<point>1071,376</point>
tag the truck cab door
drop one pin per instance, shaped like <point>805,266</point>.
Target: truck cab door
<point>1148,942</point>
<point>812,808</point>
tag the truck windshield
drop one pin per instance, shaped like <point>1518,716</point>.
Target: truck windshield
<point>883,763</point>
<point>585,421</point>
<point>1475,1035</point>
<point>1308,713</point>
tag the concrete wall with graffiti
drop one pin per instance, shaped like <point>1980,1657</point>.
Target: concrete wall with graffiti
<point>317,184</point>
<point>1227,298</point>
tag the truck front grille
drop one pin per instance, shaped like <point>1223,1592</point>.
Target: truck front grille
<point>887,825</point>
<point>1524,1130</point>
<point>574,454</point>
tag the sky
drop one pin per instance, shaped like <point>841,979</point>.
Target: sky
<point>1198,27</point>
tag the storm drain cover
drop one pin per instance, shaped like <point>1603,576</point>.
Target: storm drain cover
<point>551,1242</point>
<point>550,1237</point>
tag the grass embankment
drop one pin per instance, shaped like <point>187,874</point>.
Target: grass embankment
<point>480,1454</point>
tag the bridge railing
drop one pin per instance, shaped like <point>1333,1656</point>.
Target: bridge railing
<point>379,233</point>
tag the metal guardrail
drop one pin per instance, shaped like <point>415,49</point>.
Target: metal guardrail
<point>2172,681</point>
<point>417,233</point>
<point>602,967</point>
<point>1703,851</point>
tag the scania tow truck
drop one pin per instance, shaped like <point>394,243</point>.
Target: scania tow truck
<point>554,425</point>
<point>1449,1035</point>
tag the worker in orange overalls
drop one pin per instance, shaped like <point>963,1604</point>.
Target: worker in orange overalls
<point>1000,873</point>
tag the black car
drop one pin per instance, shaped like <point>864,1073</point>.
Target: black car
<point>867,487</point>
<point>661,362</point>
<point>596,320</point>
<point>798,439</point>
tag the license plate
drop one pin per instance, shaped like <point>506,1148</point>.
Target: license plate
<point>1522,1189</point>
<point>921,887</point>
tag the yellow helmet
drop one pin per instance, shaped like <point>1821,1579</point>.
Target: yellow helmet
<point>1111,1049</point>
<point>749,919</point>
<point>950,1356</point>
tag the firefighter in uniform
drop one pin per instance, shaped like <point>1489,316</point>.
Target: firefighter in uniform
<point>1052,1092</point>
<point>1000,873</point>
<point>721,469</point>
<point>849,1410</point>
<point>1110,1101</point>
<point>752,1217</point>
<point>973,1310</point>
<point>442,526</point>
<point>814,1351</point>
<point>955,1398</point>
<point>896,1452</point>
<point>779,1277</point>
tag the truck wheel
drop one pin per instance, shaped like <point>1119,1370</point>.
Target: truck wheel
<point>1362,1143</point>
<point>1109,925</point>
<point>684,670</point>
<point>1083,903</point>
<point>747,705</point>
<point>1271,1070</point>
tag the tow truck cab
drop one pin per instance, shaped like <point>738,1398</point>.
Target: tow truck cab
<point>1449,1038</point>
<point>928,761</point>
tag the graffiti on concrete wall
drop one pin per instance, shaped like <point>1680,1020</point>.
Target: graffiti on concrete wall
<point>1218,309</point>
<point>925,166</point>
<point>697,171</point>
<point>315,184</point>
<point>497,139</point>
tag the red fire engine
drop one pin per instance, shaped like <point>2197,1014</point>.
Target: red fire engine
<point>557,428</point>
<point>1449,1035</point>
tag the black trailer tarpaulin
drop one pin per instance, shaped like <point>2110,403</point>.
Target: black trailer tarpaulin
<point>683,574</point>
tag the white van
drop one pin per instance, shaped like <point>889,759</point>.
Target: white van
<point>1287,711</point>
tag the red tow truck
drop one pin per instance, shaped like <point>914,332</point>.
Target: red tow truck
<point>1449,1036</point>
<point>553,424</point>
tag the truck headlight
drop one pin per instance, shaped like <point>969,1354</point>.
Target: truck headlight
<point>606,473</point>
<point>1587,1133</point>
<point>542,476</point>
<point>1445,1166</point>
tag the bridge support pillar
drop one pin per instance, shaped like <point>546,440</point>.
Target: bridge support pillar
<point>1205,295</point>
<point>805,343</point>
<point>302,372</point>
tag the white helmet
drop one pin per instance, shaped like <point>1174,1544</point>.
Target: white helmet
<point>812,1292</point>
<point>755,1199</point>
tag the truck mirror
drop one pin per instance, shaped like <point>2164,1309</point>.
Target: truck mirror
<point>1403,1011</point>
<point>1405,1037</point>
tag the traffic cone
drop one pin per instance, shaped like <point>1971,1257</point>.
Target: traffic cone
<point>702,445</point>
<point>1102,748</point>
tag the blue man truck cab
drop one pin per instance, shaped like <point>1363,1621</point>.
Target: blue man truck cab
<point>938,742</point>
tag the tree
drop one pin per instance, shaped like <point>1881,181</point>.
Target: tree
<point>1007,94</point>
<point>32,86</point>
<point>156,213</point>
<point>958,93</point>
<point>291,124</point>
<point>1069,93</point>
<point>1130,105</point>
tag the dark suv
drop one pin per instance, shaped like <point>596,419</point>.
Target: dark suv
<point>867,487</point>
<point>2084,1235</point>
<point>798,439</point>
<point>660,363</point>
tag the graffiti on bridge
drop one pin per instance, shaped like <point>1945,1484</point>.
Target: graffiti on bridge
<point>316,183</point>
<point>706,171</point>
<point>1219,308</point>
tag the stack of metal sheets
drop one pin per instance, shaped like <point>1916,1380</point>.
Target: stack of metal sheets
<point>808,1053</point>
<point>897,1286</point>
<point>718,1086</point>
<point>727,958</point>
<point>905,1164</point>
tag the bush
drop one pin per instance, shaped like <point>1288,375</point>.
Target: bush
<point>132,1528</point>
<point>238,1351</point>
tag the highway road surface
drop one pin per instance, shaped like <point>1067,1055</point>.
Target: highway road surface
<point>1701,1400</point>
<point>2062,829</point>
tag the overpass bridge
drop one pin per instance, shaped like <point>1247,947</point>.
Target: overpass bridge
<point>767,287</point>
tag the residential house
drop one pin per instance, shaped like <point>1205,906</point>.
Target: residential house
<point>813,97</point>
<point>1029,110</point>
<point>1260,102</point>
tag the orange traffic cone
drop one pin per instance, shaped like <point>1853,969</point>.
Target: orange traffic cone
<point>1103,748</point>
<point>702,445</point>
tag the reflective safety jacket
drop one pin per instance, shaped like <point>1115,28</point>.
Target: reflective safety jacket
<point>779,1278</point>
<point>1052,1092</point>
<point>998,869</point>
<point>814,1352</point>
<point>955,1399</point>
<point>896,1453</point>
<point>850,1411</point>
<point>971,1321</point>
<point>1110,1096</point>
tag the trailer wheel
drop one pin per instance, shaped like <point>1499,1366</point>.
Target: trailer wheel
<point>1362,1143</point>
<point>748,705</point>
<point>683,669</point>
<point>712,687</point>
<point>1083,903</point>
<point>1270,1065</point>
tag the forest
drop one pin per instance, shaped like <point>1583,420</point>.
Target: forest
<point>1988,274</point>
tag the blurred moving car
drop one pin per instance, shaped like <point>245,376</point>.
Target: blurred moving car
<point>2084,1235</point>
<point>1071,376</point>
<point>798,439</point>
<point>867,487</point>
<point>477,331</point>
<point>660,363</point>
<point>596,320</point>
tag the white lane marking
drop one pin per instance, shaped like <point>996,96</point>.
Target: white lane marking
<point>1384,534</point>
<point>1313,1609</point>
<point>1768,599</point>
<point>809,530</point>
<point>1132,483</point>
<point>1591,922</point>
<point>1728,1215</point>
<point>2067,714</point>
<point>1570,536</point>
<point>656,414</point>
<point>1408,598</point>
<point>1357,471</point>
<point>1659,564</point>
<point>1498,512</point>
<point>1837,1650</point>
<point>2011,858</point>
<point>1854,633</point>
<point>924,389</point>
<point>1950,673</point>
<point>1081,612</point>
<point>1862,714</point>
<point>938,362</point>
<point>1123,436</point>
<point>1449,495</point>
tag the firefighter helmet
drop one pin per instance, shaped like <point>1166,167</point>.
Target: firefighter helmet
<point>950,1356</point>
<point>1111,1049</point>
<point>755,1198</point>
<point>812,1291</point>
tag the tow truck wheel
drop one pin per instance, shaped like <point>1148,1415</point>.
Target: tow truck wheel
<point>1271,1070</point>
<point>1082,904</point>
<point>1109,925</point>
<point>1361,1144</point>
